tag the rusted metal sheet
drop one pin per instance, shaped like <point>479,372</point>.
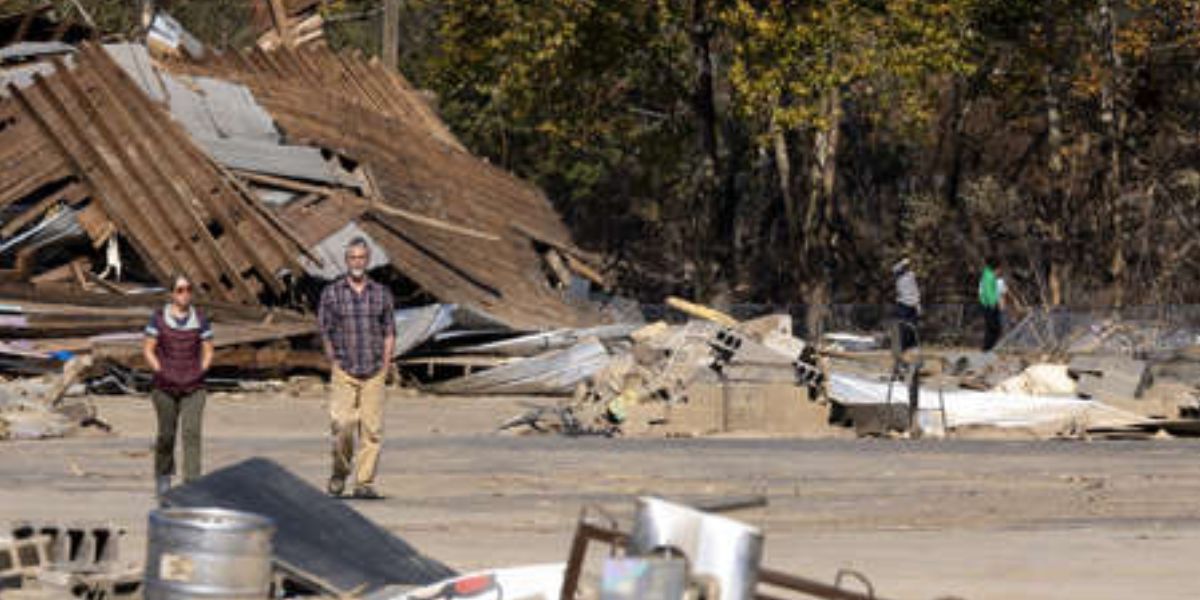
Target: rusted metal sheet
<point>177,209</point>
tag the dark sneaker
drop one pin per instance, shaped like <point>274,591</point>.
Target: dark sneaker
<point>336,486</point>
<point>366,492</point>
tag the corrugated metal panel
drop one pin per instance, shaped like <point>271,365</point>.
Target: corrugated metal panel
<point>135,61</point>
<point>27,50</point>
<point>555,372</point>
<point>226,120</point>
<point>295,162</point>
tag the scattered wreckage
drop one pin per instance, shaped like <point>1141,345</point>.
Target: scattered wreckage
<point>122,164</point>
<point>255,530</point>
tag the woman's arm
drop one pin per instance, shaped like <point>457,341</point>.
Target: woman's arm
<point>206,354</point>
<point>148,352</point>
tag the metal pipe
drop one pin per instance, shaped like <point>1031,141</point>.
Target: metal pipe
<point>807,586</point>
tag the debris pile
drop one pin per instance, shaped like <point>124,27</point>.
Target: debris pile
<point>122,165</point>
<point>645,374</point>
<point>1056,373</point>
<point>312,545</point>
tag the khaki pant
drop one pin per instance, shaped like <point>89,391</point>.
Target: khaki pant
<point>356,407</point>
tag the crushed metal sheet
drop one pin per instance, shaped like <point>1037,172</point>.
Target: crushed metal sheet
<point>536,343</point>
<point>998,409</point>
<point>27,50</point>
<point>416,325</point>
<point>555,372</point>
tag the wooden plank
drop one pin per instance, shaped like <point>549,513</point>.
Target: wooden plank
<point>251,199</point>
<point>279,18</point>
<point>391,33</point>
<point>124,195</point>
<point>196,169</point>
<point>27,22</point>
<point>172,198</point>
<point>432,222</point>
<point>95,223</point>
<point>128,153</point>
<point>283,182</point>
<point>586,271</point>
<point>61,272</point>
<point>38,168</point>
<point>73,193</point>
<point>104,283</point>
<point>158,168</point>
<point>48,111</point>
<point>315,218</point>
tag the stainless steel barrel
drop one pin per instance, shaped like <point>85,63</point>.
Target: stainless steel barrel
<point>208,553</point>
<point>718,547</point>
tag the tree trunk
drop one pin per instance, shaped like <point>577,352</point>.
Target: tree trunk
<point>717,234</point>
<point>783,167</point>
<point>1107,24</point>
<point>390,52</point>
<point>1054,212</point>
<point>823,172</point>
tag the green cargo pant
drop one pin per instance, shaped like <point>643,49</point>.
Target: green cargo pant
<point>172,409</point>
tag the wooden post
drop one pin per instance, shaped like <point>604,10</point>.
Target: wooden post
<point>279,17</point>
<point>390,52</point>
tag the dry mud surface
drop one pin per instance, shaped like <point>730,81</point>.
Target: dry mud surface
<point>922,519</point>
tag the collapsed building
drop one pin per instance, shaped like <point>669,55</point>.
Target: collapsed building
<point>124,164</point>
<point>120,170</point>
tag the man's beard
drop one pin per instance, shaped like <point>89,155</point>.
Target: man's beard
<point>358,273</point>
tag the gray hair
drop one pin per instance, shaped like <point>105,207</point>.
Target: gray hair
<point>358,241</point>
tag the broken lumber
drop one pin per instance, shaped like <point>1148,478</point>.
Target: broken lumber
<point>701,312</point>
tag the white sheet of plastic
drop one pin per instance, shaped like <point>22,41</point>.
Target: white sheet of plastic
<point>966,407</point>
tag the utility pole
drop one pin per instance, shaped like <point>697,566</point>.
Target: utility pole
<point>391,34</point>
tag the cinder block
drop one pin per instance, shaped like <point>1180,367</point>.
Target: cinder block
<point>771,408</point>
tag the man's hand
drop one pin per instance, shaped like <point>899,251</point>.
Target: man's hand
<point>327,346</point>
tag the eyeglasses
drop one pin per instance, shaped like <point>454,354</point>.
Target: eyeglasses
<point>183,289</point>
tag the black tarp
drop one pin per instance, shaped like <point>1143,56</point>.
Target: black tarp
<point>317,537</point>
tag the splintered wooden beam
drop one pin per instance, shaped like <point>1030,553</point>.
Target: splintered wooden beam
<point>73,193</point>
<point>408,215</point>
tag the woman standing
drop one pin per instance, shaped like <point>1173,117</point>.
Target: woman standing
<point>179,349</point>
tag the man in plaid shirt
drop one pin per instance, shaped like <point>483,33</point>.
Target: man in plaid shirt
<point>359,332</point>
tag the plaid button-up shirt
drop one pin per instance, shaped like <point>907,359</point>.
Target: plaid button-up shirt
<point>356,325</point>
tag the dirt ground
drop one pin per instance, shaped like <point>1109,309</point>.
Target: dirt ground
<point>921,519</point>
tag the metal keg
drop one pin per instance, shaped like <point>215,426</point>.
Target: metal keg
<point>208,553</point>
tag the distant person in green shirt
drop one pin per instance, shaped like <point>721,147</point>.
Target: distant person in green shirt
<point>991,298</point>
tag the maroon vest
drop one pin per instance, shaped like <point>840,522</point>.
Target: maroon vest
<point>179,355</point>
